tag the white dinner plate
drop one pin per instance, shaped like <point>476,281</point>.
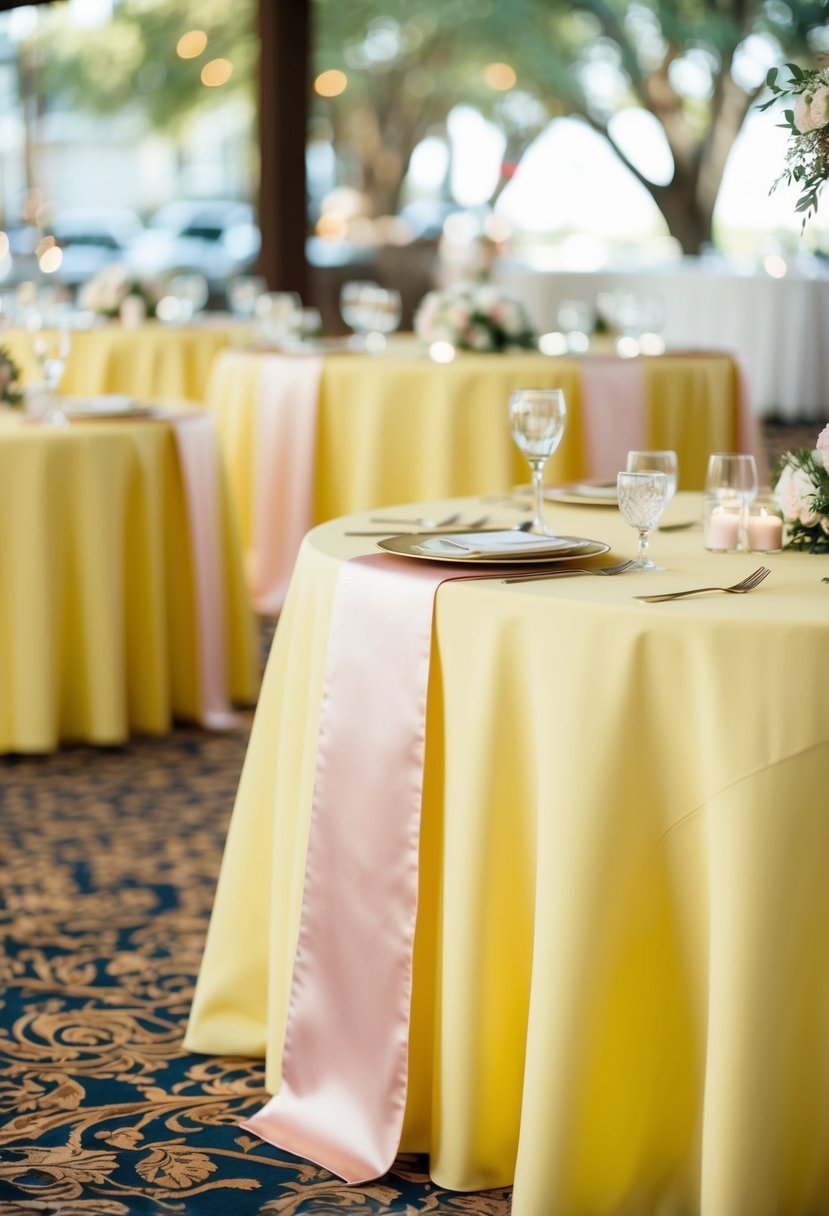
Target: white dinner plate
<point>108,405</point>
<point>491,547</point>
<point>596,493</point>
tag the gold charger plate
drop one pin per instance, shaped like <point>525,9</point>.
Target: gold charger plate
<point>428,547</point>
<point>584,493</point>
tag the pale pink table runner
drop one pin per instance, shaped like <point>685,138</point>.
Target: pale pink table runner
<point>345,1058</point>
<point>614,417</point>
<point>285,437</point>
<point>199,457</point>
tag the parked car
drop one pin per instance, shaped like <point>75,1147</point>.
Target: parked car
<point>91,238</point>
<point>215,238</point>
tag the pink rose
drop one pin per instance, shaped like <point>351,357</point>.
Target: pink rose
<point>794,493</point>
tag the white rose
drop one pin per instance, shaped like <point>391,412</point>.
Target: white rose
<point>487,298</point>
<point>822,446</point>
<point>477,336</point>
<point>788,492</point>
<point>819,109</point>
<point>514,321</point>
<point>811,109</point>
<point>459,314</point>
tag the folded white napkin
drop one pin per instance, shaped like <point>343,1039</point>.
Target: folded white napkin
<point>498,544</point>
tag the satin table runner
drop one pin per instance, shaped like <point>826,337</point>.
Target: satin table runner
<point>198,453</point>
<point>344,1064</point>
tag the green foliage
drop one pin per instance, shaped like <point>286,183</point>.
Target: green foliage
<point>807,155</point>
<point>131,62</point>
<point>11,392</point>
<point>409,65</point>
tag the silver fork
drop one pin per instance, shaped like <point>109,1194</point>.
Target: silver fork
<point>746,584</point>
<point>421,522</point>
<point>619,568</point>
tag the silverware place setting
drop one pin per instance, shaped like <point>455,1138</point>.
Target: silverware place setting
<point>416,526</point>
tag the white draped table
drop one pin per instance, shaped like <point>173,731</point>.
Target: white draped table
<point>779,327</point>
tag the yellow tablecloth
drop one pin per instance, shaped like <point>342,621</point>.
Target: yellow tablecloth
<point>399,427</point>
<point>153,362</point>
<point>621,983</point>
<point>98,634</point>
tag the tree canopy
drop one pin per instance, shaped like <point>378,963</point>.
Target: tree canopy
<point>132,61</point>
<point>694,66</point>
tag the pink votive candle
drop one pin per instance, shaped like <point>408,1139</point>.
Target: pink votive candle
<point>722,529</point>
<point>765,531</point>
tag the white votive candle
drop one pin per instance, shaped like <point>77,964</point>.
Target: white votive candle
<point>723,529</point>
<point>765,531</point>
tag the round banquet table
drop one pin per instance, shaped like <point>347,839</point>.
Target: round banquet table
<point>152,362</point>
<point>620,977</point>
<point>100,612</point>
<point>310,438</point>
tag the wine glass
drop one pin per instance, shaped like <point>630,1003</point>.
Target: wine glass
<point>731,485</point>
<point>384,309</point>
<point>191,292</point>
<point>537,417</point>
<point>278,316</point>
<point>242,292</point>
<point>50,348</point>
<point>355,309</point>
<point>576,319</point>
<point>642,499</point>
<point>655,462</point>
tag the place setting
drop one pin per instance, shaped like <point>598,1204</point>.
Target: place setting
<point>640,493</point>
<point>537,419</point>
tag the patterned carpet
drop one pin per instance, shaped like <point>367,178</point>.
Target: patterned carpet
<point>109,865</point>
<point>109,861</point>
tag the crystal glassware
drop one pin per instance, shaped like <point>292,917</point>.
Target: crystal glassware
<point>242,292</point>
<point>643,498</point>
<point>356,309</point>
<point>655,462</point>
<point>191,292</point>
<point>50,348</point>
<point>384,309</point>
<point>537,417</point>
<point>278,316</point>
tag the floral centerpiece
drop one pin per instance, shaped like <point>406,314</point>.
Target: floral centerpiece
<point>11,392</point>
<point>474,316</point>
<point>807,154</point>
<point>106,291</point>
<point>801,491</point>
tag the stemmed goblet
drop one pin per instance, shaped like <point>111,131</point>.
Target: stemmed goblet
<point>655,462</point>
<point>642,499</point>
<point>537,417</point>
<point>51,350</point>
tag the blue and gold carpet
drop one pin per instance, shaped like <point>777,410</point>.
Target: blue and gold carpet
<point>108,861</point>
